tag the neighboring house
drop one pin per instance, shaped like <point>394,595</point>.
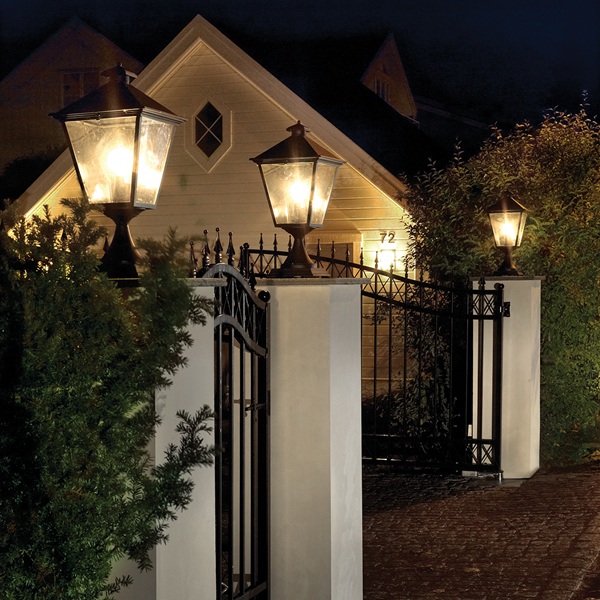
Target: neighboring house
<point>64,68</point>
<point>206,78</point>
<point>386,77</point>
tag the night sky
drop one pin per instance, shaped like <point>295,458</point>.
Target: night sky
<point>520,55</point>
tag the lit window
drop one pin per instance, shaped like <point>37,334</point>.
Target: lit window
<point>209,129</point>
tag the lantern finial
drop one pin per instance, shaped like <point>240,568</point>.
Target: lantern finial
<point>119,74</point>
<point>298,129</point>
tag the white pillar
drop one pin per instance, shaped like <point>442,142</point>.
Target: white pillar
<point>520,438</point>
<point>315,447</point>
<point>185,567</point>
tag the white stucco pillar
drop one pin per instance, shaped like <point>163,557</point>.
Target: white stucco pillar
<point>185,566</point>
<point>315,448</point>
<point>520,438</point>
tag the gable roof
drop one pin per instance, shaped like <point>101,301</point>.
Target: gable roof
<point>200,32</point>
<point>74,33</point>
<point>329,75</point>
<point>387,65</point>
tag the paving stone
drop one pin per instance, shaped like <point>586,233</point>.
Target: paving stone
<point>428,536</point>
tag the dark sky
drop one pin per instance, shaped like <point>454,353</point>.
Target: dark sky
<point>530,53</point>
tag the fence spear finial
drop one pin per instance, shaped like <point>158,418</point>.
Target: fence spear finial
<point>218,249</point>
<point>193,261</point>
<point>230,250</point>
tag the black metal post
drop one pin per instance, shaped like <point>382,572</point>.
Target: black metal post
<point>119,260</point>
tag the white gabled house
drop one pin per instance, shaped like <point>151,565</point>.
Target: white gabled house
<point>235,109</point>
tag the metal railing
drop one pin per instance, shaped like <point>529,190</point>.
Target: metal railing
<point>431,360</point>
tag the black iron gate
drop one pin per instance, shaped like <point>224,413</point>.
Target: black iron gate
<point>432,365</point>
<point>241,436</point>
<point>432,374</point>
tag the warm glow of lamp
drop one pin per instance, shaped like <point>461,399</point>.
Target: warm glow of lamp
<point>507,218</point>
<point>119,140</point>
<point>386,258</point>
<point>298,176</point>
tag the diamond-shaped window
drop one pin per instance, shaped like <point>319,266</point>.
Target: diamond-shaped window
<point>209,129</point>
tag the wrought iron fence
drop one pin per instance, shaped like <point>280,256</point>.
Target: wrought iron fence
<point>431,360</point>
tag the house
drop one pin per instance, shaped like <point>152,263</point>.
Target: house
<point>209,181</point>
<point>66,67</point>
<point>386,77</point>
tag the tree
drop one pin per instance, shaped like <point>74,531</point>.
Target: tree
<point>554,170</point>
<point>79,364</point>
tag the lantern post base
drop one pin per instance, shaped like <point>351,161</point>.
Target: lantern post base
<point>298,263</point>
<point>507,268</point>
<point>120,258</point>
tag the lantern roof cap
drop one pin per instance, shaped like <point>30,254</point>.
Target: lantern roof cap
<point>506,203</point>
<point>296,148</point>
<point>115,98</point>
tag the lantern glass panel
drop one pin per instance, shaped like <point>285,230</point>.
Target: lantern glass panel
<point>508,228</point>
<point>289,189</point>
<point>155,141</point>
<point>103,150</point>
<point>324,180</point>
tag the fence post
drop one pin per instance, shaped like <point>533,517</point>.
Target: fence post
<point>520,437</point>
<point>315,449</point>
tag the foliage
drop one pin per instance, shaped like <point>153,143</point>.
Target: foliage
<point>79,364</point>
<point>554,170</point>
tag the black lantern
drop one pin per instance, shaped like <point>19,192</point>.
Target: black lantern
<point>119,140</point>
<point>507,218</point>
<point>298,176</point>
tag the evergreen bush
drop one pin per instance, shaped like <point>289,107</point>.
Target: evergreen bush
<point>80,361</point>
<point>553,169</point>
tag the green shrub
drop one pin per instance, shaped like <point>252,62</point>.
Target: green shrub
<point>554,170</point>
<point>79,364</point>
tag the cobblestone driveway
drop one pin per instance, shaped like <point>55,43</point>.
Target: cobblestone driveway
<point>430,537</point>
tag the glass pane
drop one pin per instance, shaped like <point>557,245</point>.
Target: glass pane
<point>289,191</point>
<point>209,115</point>
<point>103,151</point>
<point>323,187</point>
<point>155,141</point>
<point>506,228</point>
<point>208,143</point>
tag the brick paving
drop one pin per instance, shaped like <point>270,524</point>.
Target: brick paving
<point>430,537</point>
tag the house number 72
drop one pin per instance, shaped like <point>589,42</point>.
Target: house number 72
<point>387,236</point>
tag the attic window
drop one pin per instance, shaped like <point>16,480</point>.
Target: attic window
<point>209,129</point>
<point>76,84</point>
<point>382,89</point>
